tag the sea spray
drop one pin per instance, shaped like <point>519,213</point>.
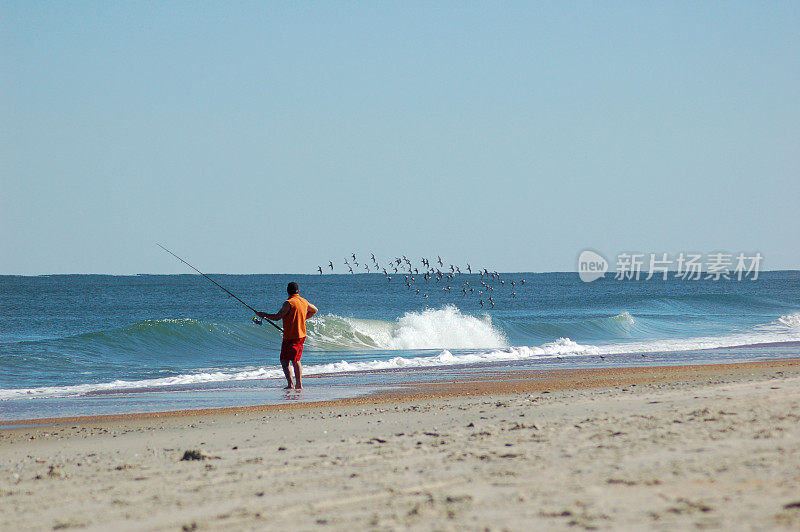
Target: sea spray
<point>441,328</point>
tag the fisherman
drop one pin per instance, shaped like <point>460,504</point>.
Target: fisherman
<point>294,313</point>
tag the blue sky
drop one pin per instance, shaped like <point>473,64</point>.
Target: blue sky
<point>269,137</point>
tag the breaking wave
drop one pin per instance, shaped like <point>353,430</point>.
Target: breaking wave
<point>429,338</point>
<point>429,329</point>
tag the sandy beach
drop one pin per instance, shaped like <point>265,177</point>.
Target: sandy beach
<point>642,448</point>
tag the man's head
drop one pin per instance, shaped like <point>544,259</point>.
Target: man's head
<point>292,288</point>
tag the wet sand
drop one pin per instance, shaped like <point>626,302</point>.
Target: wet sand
<point>714,446</point>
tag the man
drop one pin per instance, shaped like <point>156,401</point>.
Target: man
<point>294,313</point>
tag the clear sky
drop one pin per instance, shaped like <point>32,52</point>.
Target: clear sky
<point>268,137</point>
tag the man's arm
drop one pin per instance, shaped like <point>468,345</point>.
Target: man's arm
<point>311,310</point>
<point>281,313</point>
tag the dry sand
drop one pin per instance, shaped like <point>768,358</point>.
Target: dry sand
<point>660,448</point>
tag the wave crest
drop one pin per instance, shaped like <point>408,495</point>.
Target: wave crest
<point>445,328</point>
<point>791,321</point>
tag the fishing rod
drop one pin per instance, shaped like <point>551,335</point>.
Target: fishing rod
<point>257,319</point>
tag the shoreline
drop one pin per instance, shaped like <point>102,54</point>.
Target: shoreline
<point>503,382</point>
<point>713,446</point>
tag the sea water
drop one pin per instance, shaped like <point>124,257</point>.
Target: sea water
<point>96,344</point>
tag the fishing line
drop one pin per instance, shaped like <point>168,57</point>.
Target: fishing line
<point>257,319</point>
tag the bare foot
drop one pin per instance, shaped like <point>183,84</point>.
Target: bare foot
<point>298,387</point>
<point>288,387</point>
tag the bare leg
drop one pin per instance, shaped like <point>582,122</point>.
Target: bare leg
<point>298,373</point>
<point>288,373</point>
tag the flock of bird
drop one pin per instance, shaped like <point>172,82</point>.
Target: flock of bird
<point>421,280</point>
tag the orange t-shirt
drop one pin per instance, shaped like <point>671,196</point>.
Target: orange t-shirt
<point>294,323</point>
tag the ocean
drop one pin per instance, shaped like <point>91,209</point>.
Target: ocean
<point>98,344</point>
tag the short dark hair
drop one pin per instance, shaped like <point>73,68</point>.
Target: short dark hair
<point>292,288</point>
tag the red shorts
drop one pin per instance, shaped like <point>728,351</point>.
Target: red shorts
<point>292,350</point>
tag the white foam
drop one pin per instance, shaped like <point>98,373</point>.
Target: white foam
<point>763,335</point>
<point>119,385</point>
<point>445,328</point>
<point>791,321</point>
<point>561,347</point>
<point>625,318</point>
